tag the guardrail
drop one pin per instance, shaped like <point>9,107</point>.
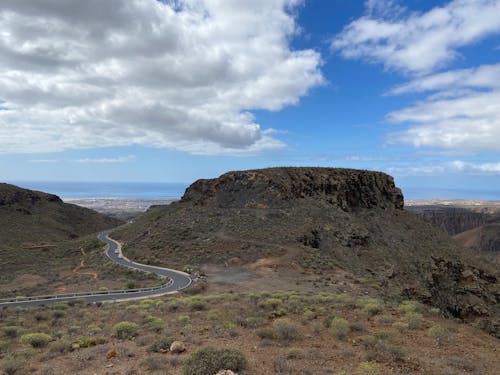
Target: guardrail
<point>86,294</point>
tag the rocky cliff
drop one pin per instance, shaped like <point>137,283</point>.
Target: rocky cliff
<point>347,189</point>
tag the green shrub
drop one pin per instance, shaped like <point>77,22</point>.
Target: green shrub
<point>161,345</point>
<point>277,313</point>
<point>59,347</point>
<point>340,327</point>
<point>36,340</point>
<point>400,326</point>
<point>409,307</point>
<point>11,331</point>
<point>266,333</point>
<point>4,345</point>
<point>11,366</point>
<point>212,360</point>
<point>285,329</point>
<point>126,330</point>
<point>414,320</point>
<point>373,308</point>
<point>271,303</point>
<point>439,334</point>
<point>130,285</point>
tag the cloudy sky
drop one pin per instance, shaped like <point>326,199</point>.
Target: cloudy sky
<point>172,91</point>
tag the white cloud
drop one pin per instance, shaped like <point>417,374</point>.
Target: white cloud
<point>462,114</point>
<point>120,159</point>
<point>482,77</point>
<point>181,74</point>
<point>418,42</point>
<point>455,166</point>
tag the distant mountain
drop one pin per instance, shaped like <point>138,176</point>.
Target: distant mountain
<point>33,216</point>
<point>320,222</point>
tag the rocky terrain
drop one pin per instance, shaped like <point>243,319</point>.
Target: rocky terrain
<point>318,228</point>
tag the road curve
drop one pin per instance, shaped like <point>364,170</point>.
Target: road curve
<point>176,281</point>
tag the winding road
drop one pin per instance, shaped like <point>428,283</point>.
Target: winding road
<point>176,281</point>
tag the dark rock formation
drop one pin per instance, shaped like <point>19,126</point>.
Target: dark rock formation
<point>348,189</point>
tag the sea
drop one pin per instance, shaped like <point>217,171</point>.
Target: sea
<point>139,190</point>
<point>143,190</point>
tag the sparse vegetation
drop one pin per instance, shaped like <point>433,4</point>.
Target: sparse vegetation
<point>36,340</point>
<point>211,360</point>
<point>126,330</point>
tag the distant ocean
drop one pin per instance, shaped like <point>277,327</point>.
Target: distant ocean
<point>176,190</point>
<point>106,189</point>
<point>434,193</point>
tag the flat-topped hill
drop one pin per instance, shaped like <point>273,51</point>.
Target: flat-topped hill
<point>347,189</point>
<point>318,228</point>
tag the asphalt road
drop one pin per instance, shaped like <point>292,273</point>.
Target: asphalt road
<point>175,281</point>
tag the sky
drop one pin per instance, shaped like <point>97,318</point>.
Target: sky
<point>173,91</point>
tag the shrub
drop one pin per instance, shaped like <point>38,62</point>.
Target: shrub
<point>211,360</point>
<point>271,303</point>
<point>400,326</point>
<point>285,329</point>
<point>373,308</point>
<point>4,345</point>
<point>11,331</point>
<point>126,330</point>
<point>130,285</point>
<point>59,347</point>
<point>154,362</point>
<point>340,327</point>
<point>409,307</point>
<point>277,313</point>
<point>368,368</point>
<point>36,340</point>
<point>266,333</point>
<point>11,366</point>
<point>161,345</point>
<point>414,320</point>
<point>439,334</point>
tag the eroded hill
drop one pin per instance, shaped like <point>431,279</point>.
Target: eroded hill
<point>48,246</point>
<point>338,227</point>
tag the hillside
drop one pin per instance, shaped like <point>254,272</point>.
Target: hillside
<point>49,246</point>
<point>316,228</point>
<point>32,216</point>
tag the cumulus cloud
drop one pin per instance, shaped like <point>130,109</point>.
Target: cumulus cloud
<point>181,74</point>
<point>462,113</point>
<point>417,43</point>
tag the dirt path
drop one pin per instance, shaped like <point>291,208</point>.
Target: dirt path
<point>77,269</point>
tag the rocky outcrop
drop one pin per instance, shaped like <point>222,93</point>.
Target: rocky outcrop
<point>347,189</point>
<point>13,195</point>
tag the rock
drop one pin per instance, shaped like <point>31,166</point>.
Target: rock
<point>226,372</point>
<point>111,353</point>
<point>177,347</point>
<point>75,346</point>
<point>278,187</point>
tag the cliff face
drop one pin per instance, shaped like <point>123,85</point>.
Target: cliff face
<point>347,189</point>
<point>453,220</point>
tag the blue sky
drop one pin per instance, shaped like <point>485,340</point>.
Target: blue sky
<point>164,92</point>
